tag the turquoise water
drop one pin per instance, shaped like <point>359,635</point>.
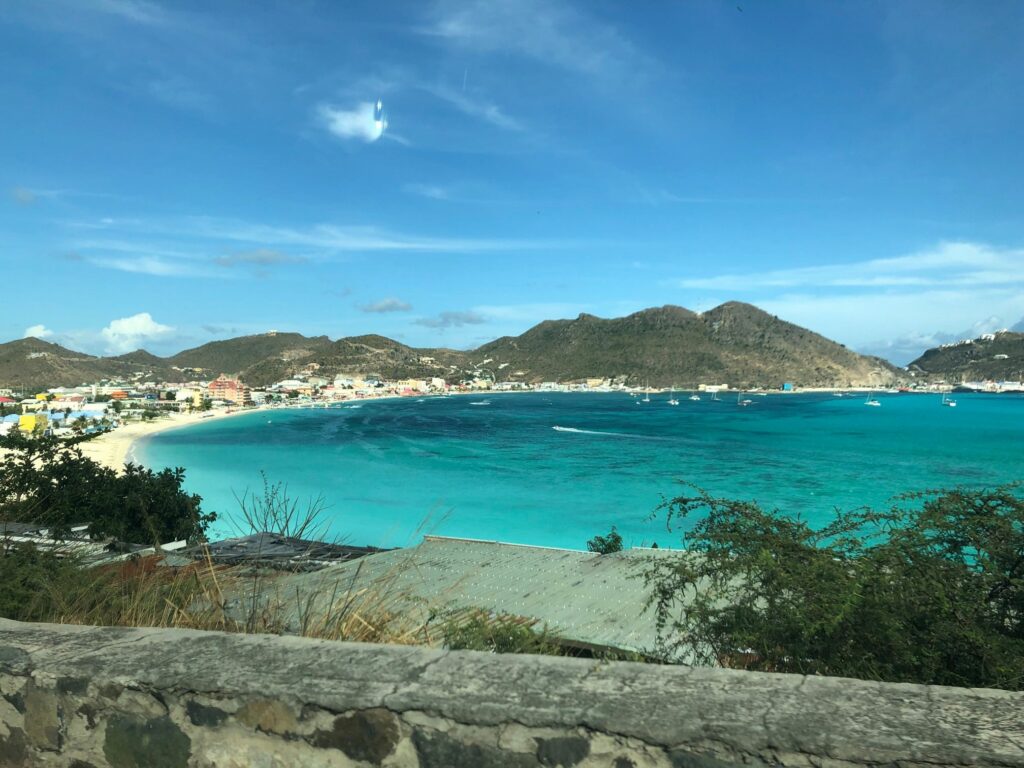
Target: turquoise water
<point>501,471</point>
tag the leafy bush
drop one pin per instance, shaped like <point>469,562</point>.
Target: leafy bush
<point>929,591</point>
<point>501,633</point>
<point>49,481</point>
<point>605,545</point>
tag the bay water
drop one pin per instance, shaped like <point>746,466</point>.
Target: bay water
<point>556,469</point>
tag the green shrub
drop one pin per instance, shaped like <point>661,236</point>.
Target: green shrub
<point>929,591</point>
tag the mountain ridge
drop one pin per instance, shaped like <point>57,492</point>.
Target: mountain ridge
<point>733,343</point>
<point>1000,358</point>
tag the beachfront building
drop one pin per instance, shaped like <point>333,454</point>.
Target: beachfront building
<point>231,390</point>
<point>33,422</point>
<point>411,385</point>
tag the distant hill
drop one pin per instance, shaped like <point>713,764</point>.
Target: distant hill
<point>36,364</point>
<point>140,357</point>
<point>238,355</point>
<point>734,343</point>
<point>977,360</point>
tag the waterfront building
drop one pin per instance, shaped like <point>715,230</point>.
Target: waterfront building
<point>32,422</point>
<point>228,389</point>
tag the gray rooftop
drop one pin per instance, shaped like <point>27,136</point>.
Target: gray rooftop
<point>586,599</point>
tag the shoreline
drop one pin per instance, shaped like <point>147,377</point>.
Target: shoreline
<point>115,448</point>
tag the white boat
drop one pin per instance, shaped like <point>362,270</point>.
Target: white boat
<point>695,397</point>
<point>872,402</point>
<point>744,402</point>
<point>948,401</point>
<point>481,402</point>
<point>647,393</point>
<point>672,397</point>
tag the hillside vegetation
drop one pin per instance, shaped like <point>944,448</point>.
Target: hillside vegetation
<point>735,344</point>
<point>980,360</point>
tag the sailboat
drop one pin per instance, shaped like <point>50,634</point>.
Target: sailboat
<point>672,397</point>
<point>743,403</point>
<point>695,397</point>
<point>948,401</point>
<point>647,392</point>
<point>872,401</point>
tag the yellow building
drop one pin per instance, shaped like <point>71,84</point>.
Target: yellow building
<point>42,396</point>
<point>32,422</point>
<point>417,385</point>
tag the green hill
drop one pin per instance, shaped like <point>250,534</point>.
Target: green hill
<point>998,359</point>
<point>36,364</point>
<point>238,355</point>
<point>734,343</point>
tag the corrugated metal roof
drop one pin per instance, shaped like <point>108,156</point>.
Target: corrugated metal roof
<point>583,597</point>
<point>266,548</point>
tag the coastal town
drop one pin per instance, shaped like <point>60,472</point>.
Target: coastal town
<point>126,409</point>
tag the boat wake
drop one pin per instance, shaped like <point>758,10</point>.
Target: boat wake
<point>576,431</point>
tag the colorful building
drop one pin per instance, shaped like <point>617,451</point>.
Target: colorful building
<point>33,422</point>
<point>232,390</point>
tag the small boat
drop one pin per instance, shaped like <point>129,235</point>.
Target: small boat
<point>744,402</point>
<point>672,397</point>
<point>481,402</point>
<point>948,401</point>
<point>647,393</point>
<point>695,397</point>
<point>872,402</point>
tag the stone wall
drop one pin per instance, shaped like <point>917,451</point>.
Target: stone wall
<point>81,697</point>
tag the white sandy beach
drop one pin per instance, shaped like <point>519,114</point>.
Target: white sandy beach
<point>112,449</point>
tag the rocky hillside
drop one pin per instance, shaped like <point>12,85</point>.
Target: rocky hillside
<point>998,359</point>
<point>36,364</point>
<point>365,355</point>
<point>734,343</point>
<point>238,355</point>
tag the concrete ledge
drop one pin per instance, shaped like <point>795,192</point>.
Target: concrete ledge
<point>82,696</point>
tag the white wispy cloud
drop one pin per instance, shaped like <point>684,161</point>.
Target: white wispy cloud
<point>129,333</point>
<point>329,238</point>
<point>136,11</point>
<point>28,196</point>
<point>358,122</point>
<point>150,265</point>
<point>474,106</point>
<point>895,307</point>
<point>548,31</point>
<point>452,319</point>
<point>950,263</point>
<point>431,191</point>
<point>258,257</point>
<point>387,305</point>
<point>38,331</point>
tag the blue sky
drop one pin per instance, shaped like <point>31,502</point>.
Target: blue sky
<point>173,173</point>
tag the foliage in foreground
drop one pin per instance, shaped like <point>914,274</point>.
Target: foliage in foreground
<point>605,545</point>
<point>49,481</point>
<point>929,591</point>
<point>502,633</point>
